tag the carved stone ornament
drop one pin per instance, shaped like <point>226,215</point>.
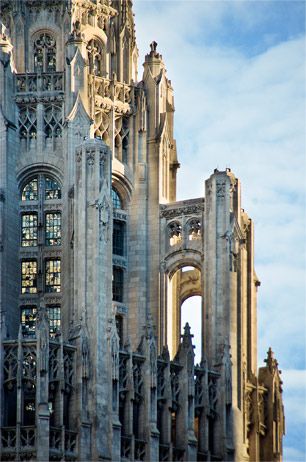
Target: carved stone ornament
<point>220,189</point>
<point>84,335</point>
<point>104,220</point>
<point>114,347</point>
<point>42,327</point>
<point>90,156</point>
<point>170,213</point>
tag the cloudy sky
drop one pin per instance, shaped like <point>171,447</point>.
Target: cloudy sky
<point>238,71</point>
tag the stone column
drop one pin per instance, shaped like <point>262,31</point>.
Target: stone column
<point>93,281</point>
<point>42,384</point>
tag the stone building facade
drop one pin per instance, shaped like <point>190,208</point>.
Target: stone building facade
<point>97,257</point>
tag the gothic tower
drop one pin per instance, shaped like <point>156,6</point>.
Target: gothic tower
<point>97,257</point>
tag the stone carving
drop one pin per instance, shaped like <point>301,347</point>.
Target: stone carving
<point>170,213</point>
<point>104,220</point>
<point>42,327</point>
<point>85,347</point>
<point>248,409</point>
<point>90,156</point>
<point>220,189</point>
<point>114,343</point>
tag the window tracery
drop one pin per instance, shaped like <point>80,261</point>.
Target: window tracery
<point>45,53</point>
<point>27,122</point>
<point>194,229</point>
<point>175,233</point>
<point>53,121</point>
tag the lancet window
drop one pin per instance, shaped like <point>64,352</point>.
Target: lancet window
<point>40,250</point>
<point>45,53</point>
<point>95,57</point>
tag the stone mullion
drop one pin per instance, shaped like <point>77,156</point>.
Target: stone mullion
<point>40,127</point>
<point>19,397</point>
<point>61,393</point>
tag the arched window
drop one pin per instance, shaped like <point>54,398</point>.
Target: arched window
<point>95,57</point>
<point>117,203</point>
<point>45,53</point>
<point>40,253</point>
<point>29,192</point>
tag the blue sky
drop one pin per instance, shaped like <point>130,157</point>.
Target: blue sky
<point>238,72</point>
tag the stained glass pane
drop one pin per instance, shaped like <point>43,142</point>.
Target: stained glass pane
<point>29,230</point>
<point>28,320</point>
<point>54,313</point>
<point>116,199</point>
<point>52,189</point>
<point>30,191</point>
<point>29,277</point>
<point>53,275</point>
<point>53,228</point>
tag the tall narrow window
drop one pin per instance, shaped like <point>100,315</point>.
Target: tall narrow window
<point>29,229</point>
<point>53,228</point>
<point>54,313</point>
<point>30,191</point>
<point>53,275</point>
<point>118,237</point>
<point>45,53</point>
<point>29,277</point>
<point>117,284</point>
<point>28,320</point>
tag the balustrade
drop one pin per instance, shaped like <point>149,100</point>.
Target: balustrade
<point>38,82</point>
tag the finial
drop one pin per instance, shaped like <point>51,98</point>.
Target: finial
<point>271,361</point>
<point>153,52</point>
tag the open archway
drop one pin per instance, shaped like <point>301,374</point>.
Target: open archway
<point>184,304</point>
<point>191,312</point>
